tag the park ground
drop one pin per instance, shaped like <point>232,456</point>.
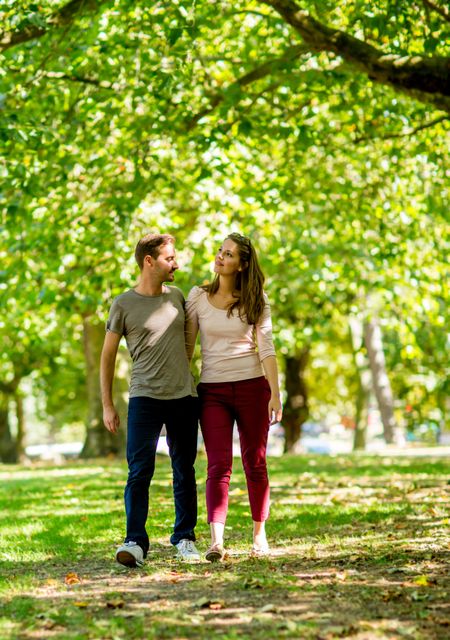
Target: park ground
<point>360,550</point>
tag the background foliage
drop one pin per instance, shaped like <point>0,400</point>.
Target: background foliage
<point>313,132</point>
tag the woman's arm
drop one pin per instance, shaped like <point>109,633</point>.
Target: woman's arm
<point>191,322</point>
<point>271,370</point>
<point>266,352</point>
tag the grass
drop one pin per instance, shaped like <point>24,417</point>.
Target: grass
<point>360,550</point>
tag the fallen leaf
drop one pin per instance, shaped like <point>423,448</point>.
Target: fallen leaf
<point>51,582</point>
<point>418,596</point>
<point>336,630</point>
<point>396,570</point>
<point>268,608</point>
<point>387,596</point>
<point>81,605</point>
<point>253,583</point>
<point>341,576</point>
<point>49,624</point>
<point>444,622</point>
<point>290,625</point>
<point>207,603</point>
<point>175,576</point>
<point>72,578</point>
<point>422,581</point>
<point>115,604</point>
<point>202,602</point>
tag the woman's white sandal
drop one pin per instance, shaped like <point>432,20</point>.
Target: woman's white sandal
<point>259,551</point>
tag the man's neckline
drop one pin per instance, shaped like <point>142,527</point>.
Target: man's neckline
<point>164,291</point>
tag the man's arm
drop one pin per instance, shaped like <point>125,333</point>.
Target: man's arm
<point>107,367</point>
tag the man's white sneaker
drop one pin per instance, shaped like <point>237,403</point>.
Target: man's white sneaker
<point>130,554</point>
<point>187,550</point>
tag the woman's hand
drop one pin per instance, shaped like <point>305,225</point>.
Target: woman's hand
<point>275,409</point>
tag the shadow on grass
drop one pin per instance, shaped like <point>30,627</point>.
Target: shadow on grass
<point>284,596</point>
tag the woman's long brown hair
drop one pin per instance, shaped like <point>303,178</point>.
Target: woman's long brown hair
<point>249,290</point>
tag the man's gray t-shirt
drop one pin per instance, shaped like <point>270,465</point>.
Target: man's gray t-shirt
<point>153,327</point>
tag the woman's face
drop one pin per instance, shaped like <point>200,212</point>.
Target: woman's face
<point>227,260</point>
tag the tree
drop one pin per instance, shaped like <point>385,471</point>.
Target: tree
<point>120,116</point>
<point>364,382</point>
<point>380,379</point>
<point>426,78</point>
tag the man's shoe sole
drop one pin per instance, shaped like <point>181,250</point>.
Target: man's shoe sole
<point>188,558</point>
<point>127,559</point>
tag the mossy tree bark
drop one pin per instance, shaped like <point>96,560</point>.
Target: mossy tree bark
<point>380,379</point>
<point>8,444</point>
<point>99,441</point>
<point>296,410</point>
<point>363,382</point>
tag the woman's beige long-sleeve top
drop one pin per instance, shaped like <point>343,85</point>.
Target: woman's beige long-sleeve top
<point>232,350</point>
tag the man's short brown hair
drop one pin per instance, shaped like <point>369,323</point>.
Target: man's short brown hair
<point>150,245</point>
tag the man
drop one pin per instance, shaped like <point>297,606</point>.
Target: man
<point>151,317</point>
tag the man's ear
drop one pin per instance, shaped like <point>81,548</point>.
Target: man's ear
<point>148,260</point>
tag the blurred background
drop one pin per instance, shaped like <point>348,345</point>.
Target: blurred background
<point>118,118</point>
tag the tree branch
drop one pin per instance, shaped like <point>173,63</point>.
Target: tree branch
<point>442,11</point>
<point>256,74</point>
<point>60,75</point>
<point>404,134</point>
<point>64,16</point>
<point>424,78</point>
<point>101,84</point>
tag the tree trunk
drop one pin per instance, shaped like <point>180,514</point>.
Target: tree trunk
<point>382,387</point>
<point>443,436</point>
<point>8,448</point>
<point>99,441</point>
<point>20,415</point>
<point>361,418</point>
<point>296,409</point>
<point>364,384</point>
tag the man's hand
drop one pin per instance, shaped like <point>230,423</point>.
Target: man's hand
<point>107,363</point>
<point>111,419</point>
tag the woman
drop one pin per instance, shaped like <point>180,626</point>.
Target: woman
<point>233,317</point>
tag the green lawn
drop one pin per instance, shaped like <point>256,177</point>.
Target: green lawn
<point>360,549</point>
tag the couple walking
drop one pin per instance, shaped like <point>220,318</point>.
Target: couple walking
<point>239,382</point>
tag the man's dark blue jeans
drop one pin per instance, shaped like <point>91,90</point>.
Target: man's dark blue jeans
<point>146,417</point>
